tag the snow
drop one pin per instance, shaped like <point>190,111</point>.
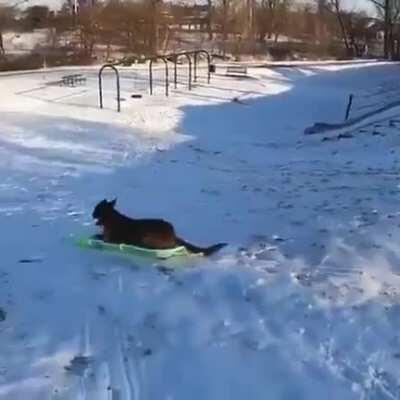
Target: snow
<point>303,303</point>
<point>24,42</point>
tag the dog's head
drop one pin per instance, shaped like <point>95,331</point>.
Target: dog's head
<point>102,210</point>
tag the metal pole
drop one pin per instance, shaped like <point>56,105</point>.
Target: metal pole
<point>190,70</point>
<point>175,72</point>
<point>151,77</point>
<point>196,54</point>
<point>118,90</point>
<point>208,62</point>
<point>101,85</point>
<point>195,67</point>
<point>350,103</point>
<point>166,76</point>
<point>208,66</point>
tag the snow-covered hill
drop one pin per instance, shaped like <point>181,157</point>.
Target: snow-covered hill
<point>302,304</point>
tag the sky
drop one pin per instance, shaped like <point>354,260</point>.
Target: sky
<point>358,4</point>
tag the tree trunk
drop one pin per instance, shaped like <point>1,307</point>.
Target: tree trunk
<point>91,48</point>
<point>166,39</point>
<point>249,19</point>
<point>209,19</point>
<point>224,25</point>
<point>351,38</point>
<point>2,51</point>
<point>108,49</point>
<point>153,39</point>
<point>342,27</point>
<point>386,29</point>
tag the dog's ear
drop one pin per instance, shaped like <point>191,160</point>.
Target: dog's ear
<point>113,202</point>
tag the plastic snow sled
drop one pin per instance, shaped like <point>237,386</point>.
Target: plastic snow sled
<point>163,254</point>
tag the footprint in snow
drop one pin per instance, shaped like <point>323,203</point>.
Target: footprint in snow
<point>43,295</point>
<point>30,260</point>
<point>211,192</point>
<point>3,315</point>
<point>78,365</point>
<point>101,310</point>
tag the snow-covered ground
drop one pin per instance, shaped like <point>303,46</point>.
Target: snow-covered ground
<point>304,303</point>
<point>25,42</point>
<point>373,99</point>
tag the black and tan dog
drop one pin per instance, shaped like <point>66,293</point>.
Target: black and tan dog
<point>148,233</point>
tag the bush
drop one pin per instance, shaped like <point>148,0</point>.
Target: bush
<point>36,61</point>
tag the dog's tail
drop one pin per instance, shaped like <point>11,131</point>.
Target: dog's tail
<point>207,251</point>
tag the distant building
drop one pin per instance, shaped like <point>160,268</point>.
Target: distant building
<point>189,18</point>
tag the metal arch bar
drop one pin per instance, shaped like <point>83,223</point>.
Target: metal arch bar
<point>174,59</point>
<point>190,70</point>
<point>101,85</point>
<point>175,72</point>
<point>166,76</point>
<point>196,53</point>
<point>187,55</point>
<point>195,66</point>
<point>151,74</point>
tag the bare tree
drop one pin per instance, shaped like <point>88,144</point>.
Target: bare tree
<point>249,19</point>
<point>2,20</point>
<point>88,24</point>
<point>389,12</point>
<point>225,14</point>
<point>140,27</point>
<point>209,19</point>
<point>7,14</point>
<point>222,17</point>
<point>154,19</point>
<point>36,17</point>
<point>2,51</point>
<point>357,30</point>
<point>271,17</point>
<point>336,7</point>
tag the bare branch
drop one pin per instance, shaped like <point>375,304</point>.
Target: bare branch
<point>378,4</point>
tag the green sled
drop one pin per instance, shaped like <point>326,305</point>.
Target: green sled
<point>163,254</point>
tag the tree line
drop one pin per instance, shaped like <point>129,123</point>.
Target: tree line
<point>147,27</point>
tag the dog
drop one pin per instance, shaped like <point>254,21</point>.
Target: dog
<point>147,233</point>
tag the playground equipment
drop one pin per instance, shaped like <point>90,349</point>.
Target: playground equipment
<point>101,85</point>
<point>151,73</point>
<point>191,56</point>
<point>73,80</point>
<point>210,67</point>
<point>174,58</point>
<point>188,54</point>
